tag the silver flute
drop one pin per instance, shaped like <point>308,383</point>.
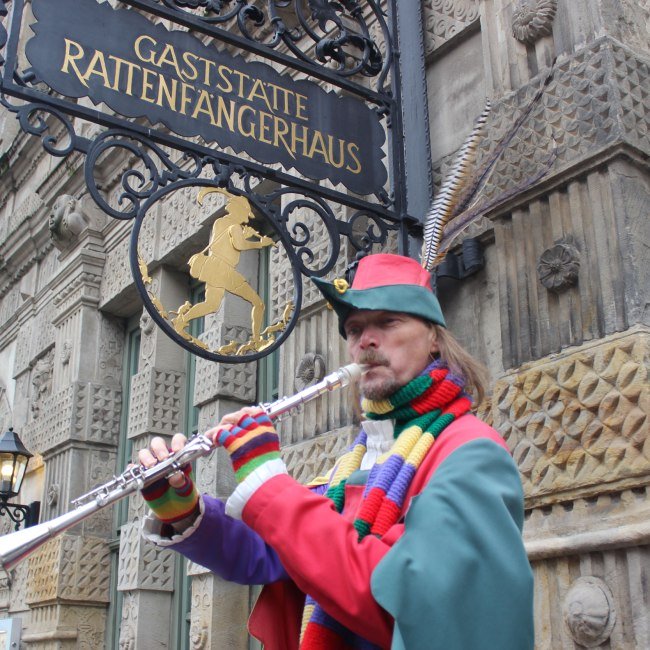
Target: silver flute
<point>15,547</point>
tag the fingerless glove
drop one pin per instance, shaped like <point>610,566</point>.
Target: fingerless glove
<point>251,443</point>
<point>171,504</point>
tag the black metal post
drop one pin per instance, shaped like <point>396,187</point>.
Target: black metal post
<point>415,145</point>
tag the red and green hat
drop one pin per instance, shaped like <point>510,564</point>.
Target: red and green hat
<point>384,282</point>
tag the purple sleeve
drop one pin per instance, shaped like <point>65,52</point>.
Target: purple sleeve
<point>229,548</point>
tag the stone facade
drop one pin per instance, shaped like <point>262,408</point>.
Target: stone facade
<point>559,314</point>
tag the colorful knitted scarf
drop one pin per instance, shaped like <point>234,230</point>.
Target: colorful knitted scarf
<point>421,410</point>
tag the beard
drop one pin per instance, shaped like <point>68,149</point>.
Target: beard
<point>380,388</point>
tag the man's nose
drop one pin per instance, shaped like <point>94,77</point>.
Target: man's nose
<point>368,338</point>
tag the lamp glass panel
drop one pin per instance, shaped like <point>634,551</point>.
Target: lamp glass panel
<point>7,467</point>
<point>19,472</point>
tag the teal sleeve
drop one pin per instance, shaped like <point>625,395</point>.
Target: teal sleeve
<point>459,577</point>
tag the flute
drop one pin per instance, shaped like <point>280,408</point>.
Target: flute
<point>15,547</point>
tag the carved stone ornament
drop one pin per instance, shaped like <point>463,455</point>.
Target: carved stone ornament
<point>66,352</point>
<point>558,266</point>
<point>533,19</point>
<point>53,495</point>
<point>311,370</point>
<point>42,381</point>
<point>199,638</point>
<point>67,221</point>
<point>589,612</point>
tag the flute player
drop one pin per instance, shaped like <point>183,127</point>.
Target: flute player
<point>413,539</point>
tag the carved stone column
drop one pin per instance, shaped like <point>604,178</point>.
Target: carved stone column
<point>157,403</point>
<point>75,409</point>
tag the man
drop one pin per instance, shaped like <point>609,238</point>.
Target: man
<point>414,538</point>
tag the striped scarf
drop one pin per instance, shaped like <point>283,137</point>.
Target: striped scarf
<point>421,410</point>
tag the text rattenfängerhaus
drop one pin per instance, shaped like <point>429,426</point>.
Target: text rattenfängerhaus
<point>201,89</point>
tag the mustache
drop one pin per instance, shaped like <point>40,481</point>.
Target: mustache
<point>373,358</point>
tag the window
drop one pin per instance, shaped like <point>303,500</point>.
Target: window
<point>268,368</point>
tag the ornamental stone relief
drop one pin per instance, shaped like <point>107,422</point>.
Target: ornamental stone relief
<point>104,405</point>
<point>596,97</point>
<point>594,599</point>
<point>156,402</point>
<point>143,565</point>
<point>589,612</point>
<point>117,272</point>
<point>212,380</point>
<point>579,421</point>
<point>19,577</point>
<point>444,19</point>
<point>69,217</point>
<point>5,408</point>
<point>188,217</point>
<point>312,458</point>
<point>128,624</point>
<point>41,382</point>
<point>89,622</point>
<point>27,209</point>
<point>201,612</point>
<point>558,266</point>
<point>84,569</point>
<point>23,348</point>
<point>81,411</point>
<point>43,330</point>
<point>111,349</point>
<point>83,289</point>
<point>10,303</point>
<point>69,567</point>
<point>533,19</point>
<point>148,333</point>
<point>310,371</point>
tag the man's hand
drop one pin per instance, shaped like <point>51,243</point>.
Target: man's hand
<point>250,439</point>
<point>175,499</point>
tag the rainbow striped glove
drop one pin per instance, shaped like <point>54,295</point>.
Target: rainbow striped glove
<point>251,443</point>
<point>173,504</point>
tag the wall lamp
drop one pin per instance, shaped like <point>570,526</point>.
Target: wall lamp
<point>13,463</point>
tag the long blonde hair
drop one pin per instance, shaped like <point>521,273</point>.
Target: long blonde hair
<point>461,362</point>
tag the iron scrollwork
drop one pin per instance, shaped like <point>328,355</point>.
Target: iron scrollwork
<point>138,183</point>
<point>367,229</point>
<point>33,119</point>
<point>17,513</point>
<point>318,32</point>
<point>332,37</point>
<point>3,31</point>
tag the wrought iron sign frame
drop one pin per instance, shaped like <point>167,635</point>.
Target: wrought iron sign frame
<point>154,173</point>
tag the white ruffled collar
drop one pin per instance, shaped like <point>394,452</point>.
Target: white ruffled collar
<point>379,440</point>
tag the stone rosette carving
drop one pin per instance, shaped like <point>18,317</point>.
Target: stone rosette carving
<point>311,370</point>
<point>558,266</point>
<point>533,19</point>
<point>589,612</point>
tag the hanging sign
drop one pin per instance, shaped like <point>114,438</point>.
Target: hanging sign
<point>139,69</point>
